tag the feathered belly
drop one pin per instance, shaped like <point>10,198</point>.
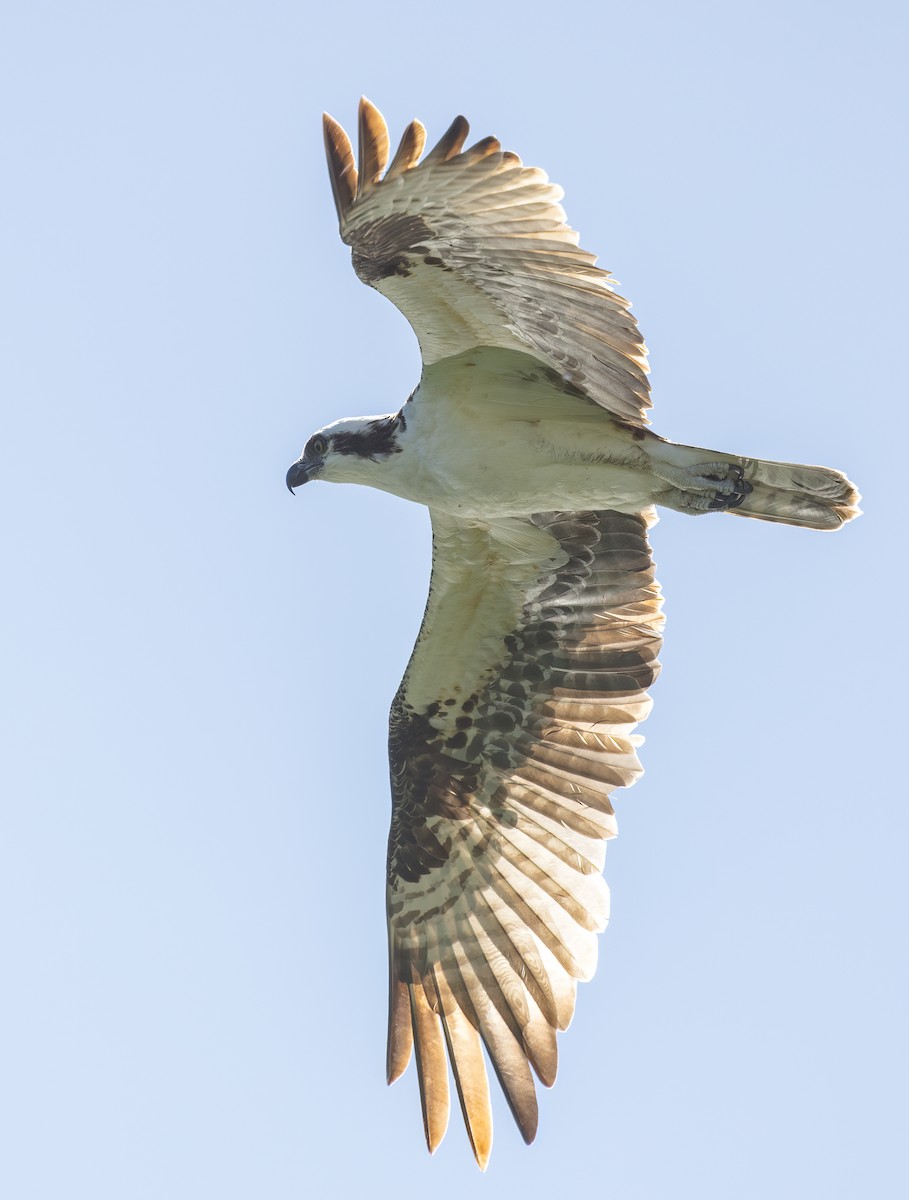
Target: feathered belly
<point>520,468</point>
<point>489,434</point>
<point>489,492</point>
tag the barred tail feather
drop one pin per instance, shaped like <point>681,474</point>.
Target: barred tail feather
<point>796,494</point>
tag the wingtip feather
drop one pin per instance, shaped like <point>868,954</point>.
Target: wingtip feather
<point>341,169</point>
<point>451,141</point>
<point>400,1031</point>
<point>409,150</point>
<point>373,140</point>
<point>432,1067</point>
<point>467,1065</point>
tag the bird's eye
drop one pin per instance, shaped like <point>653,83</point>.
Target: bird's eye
<point>319,446</point>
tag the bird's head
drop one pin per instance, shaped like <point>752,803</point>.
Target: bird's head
<point>343,451</point>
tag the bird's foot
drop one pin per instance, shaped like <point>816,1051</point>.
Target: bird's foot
<point>707,487</point>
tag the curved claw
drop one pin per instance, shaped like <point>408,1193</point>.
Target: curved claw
<point>740,489</point>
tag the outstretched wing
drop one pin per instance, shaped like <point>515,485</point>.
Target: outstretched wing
<point>512,725</point>
<point>473,248</point>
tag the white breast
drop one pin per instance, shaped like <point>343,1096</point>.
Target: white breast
<point>491,433</point>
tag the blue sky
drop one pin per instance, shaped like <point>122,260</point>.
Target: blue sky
<point>197,668</point>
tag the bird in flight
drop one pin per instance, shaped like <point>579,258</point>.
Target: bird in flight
<point>527,438</point>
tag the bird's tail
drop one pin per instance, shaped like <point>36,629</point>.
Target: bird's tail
<point>791,493</point>
<point>796,494</point>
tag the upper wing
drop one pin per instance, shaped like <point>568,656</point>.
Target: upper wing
<point>472,246</point>
<point>511,727</point>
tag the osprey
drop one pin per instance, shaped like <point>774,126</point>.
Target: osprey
<point>527,440</point>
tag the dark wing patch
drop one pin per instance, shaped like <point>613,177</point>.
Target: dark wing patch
<point>387,245</point>
<point>501,809</point>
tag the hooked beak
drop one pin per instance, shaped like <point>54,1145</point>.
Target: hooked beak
<point>296,476</point>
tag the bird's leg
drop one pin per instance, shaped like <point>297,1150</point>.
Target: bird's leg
<point>700,479</point>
